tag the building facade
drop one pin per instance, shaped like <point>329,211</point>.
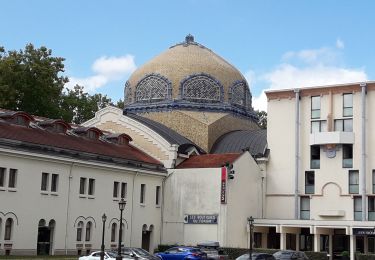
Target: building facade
<point>56,183</point>
<point>325,180</point>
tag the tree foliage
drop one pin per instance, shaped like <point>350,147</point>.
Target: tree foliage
<point>31,81</point>
<point>262,119</point>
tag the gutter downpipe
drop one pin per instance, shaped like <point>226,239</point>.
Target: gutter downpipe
<point>162,204</point>
<point>132,213</point>
<point>67,208</point>
<point>297,155</point>
<point>363,151</point>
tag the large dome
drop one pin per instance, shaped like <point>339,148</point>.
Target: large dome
<point>188,76</point>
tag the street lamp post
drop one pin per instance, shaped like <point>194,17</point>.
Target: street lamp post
<point>121,206</point>
<point>250,220</point>
<point>104,219</point>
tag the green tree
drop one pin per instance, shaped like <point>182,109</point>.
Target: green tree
<point>120,104</point>
<point>30,81</point>
<point>262,119</point>
<point>78,106</point>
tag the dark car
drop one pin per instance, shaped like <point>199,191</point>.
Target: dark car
<point>290,254</point>
<point>213,250</point>
<point>256,256</point>
<point>182,253</point>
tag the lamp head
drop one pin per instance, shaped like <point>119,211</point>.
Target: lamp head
<point>104,218</point>
<point>122,204</point>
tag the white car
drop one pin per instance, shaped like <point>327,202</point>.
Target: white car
<point>96,256</point>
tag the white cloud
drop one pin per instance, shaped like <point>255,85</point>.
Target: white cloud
<point>106,69</point>
<point>340,44</point>
<point>307,68</point>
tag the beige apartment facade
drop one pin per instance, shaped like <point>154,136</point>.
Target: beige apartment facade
<point>321,169</point>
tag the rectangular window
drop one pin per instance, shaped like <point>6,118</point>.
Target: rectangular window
<point>115,189</point>
<point>315,107</point>
<point>373,181</point>
<point>54,182</point>
<point>344,125</point>
<point>357,208</point>
<point>318,126</point>
<point>371,208</point>
<point>305,208</point>
<point>82,186</point>
<point>2,177</point>
<point>91,190</point>
<point>124,188</point>
<point>309,182</point>
<point>353,182</point>
<point>12,178</point>
<point>347,104</point>
<point>157,197</point>
<point>44,184</point>
<point>143,193</point>
<point>315,157</point>
<point>347,155</point>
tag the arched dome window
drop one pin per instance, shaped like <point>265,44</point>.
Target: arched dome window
<point>153,88</point>
<point>127,93</point>
<point>201,88</point>
<point>237,94</point>
<point>249,105</point>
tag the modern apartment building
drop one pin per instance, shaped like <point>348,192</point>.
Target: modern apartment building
<point>320,192</point>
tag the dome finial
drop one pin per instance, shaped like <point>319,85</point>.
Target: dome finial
<point>189,38</point>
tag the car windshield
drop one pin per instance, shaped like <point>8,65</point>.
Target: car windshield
<point>141,252</point>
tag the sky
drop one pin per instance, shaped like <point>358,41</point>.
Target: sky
<point>275,44</point>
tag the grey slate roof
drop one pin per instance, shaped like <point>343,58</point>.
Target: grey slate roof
<point>235,142</point>
<point>168,134</point>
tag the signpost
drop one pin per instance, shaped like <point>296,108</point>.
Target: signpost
<point>200,219</point>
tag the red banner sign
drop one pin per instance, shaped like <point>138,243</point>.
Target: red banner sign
<point>223,193</point>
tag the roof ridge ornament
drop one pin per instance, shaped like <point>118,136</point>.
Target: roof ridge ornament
<point>189,38</point>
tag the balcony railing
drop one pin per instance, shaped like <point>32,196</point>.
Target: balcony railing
<point>347,163</point>
<point>315,164</point>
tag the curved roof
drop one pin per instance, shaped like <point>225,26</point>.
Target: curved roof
<point>185,59</point>
<point>191,73</point>
<point>235,142</point>
<point>168,134</point>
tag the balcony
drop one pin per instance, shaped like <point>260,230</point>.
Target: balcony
<point>322,138</point>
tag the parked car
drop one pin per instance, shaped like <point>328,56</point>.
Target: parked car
<point>108,255</point>
<point>290,254</point>
<point>137,253</point>
<point>256,256</point>
<point>213,250</point>
<point>182,253</point>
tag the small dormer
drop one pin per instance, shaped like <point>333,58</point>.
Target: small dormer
<point>17,118</point>
<point>56,126</point>
<point>88,132</point>
<point>120,139</point>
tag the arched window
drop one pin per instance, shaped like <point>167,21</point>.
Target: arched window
<point>153,88</point>
<point>113,232</point>
<point>8,229</point>
<point>238,94</point>
<point>127,93</point>
<point>201,88</point>
<point>248,100</point>
<point>88,231</point>
<point>79,231</point>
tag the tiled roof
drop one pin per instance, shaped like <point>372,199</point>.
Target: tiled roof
<point>45,140</point>
<point>208,160</point>
<point>235,142</point>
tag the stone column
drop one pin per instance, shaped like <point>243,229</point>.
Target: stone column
<point>330,246</point>
<point>352,246</point>
<point>316,242</point>
<point>282,241</point>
